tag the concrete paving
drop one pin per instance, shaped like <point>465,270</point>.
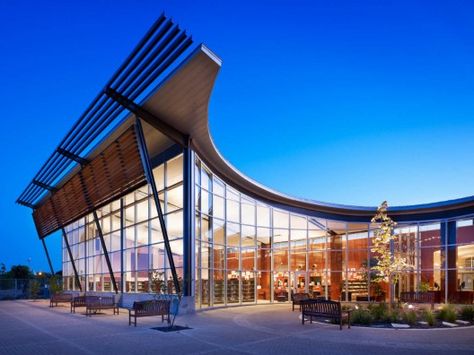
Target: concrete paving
<point>28,327</point>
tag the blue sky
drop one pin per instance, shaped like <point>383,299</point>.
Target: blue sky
<point>347,102</point>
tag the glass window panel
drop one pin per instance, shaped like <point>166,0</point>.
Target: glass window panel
<point>174,171</point>
<point>130,198</point>
<point>298,222</point>
<point>218,187</point>
<point>248,259</point>
<point>82,234</point>
<point>264,237</point>
<point>142,258</point>
<point>233,234</point>
<point>205,206</point>
<point>263,215</point>
<point>141,193</point>
<point>219,256</point>
<point>280,219</point>
<point>129,237</point>
<point>174,225</point>
<point>156,235</point>
<point>218,286</point>
<point>142,211</point>
<point>298,234</point>
<point>142,233</point>
<point>316,223</point>
<point>232,194</point>
<point>205,255</point>
<point>205,228</point>
<point>115,221</point>
<point>158,174</point>
<point>280,235</point>
<point>233,278</point>
<point>233,258</point>
<point>115,205</point>
<point>130,215</point>
<point>158,256</point>
<point>219,232</point>
<point>248,211</point>
<point>174,199</point>
<point>233,213</point>
<point>248,236</point>
<point>205,179</point>
<point>218,207</point>
<point>115,241</point>
<point>263,259</point>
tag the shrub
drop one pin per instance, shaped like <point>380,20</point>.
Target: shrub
<point>428,317</point>
<point>409,317</point>
<point>379,312</point>
<point>467,313</point>
<point>447,313</point>
<point>394,316</point>
<point>361,316</point>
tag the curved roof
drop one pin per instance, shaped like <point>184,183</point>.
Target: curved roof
<point>182,101</point>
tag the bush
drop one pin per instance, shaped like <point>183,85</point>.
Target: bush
<point>409,317</point>
<point>361,316</point>
<point>379,312</point>
<point>467,313</point>
<point>447,313</point>
<point>428,317</point>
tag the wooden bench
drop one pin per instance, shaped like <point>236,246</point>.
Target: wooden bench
<point>149,308</point>
<point>59,298</point>
<point>296,298</point>
<point>96,304</point>
<point>418,297</point>
<point>324,309</point>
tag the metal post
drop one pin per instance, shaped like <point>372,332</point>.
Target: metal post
<point>188,220</point>
<point>122,236</point>
<point>76,275</point>
<point>151,180</point>
<point>47,256</point>
<point>104,248</point>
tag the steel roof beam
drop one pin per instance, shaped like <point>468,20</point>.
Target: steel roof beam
<point>150,118</point>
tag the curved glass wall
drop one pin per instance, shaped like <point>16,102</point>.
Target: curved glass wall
<point>249,252</point>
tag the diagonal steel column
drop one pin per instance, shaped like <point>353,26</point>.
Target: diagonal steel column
<point>104,248</point>
<point>76,275</point>
<point>47,256</point>
<point>151,180</point>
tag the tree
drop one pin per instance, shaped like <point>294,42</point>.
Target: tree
<point>20,272</point>
<point>389,265</point>
<point>35,289</point>
<point>55,284</point>
<point>3,269</point>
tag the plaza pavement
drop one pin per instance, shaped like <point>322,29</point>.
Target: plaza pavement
<point>31,327</point>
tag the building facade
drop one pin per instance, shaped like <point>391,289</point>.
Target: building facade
<point>216,237</point>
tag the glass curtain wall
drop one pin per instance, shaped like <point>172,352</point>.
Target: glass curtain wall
<point>133,238</point>
<point>249,252</point>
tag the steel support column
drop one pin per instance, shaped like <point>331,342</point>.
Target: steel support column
<point>47,256</point>
<point>104,248</point>
<point>188,221</point>
<point>151,180</point>
<point>76,275</point>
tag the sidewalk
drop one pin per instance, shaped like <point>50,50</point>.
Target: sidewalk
<point>28,327</point>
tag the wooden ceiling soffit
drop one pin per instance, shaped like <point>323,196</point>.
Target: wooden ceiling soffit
<point>115,171</point>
